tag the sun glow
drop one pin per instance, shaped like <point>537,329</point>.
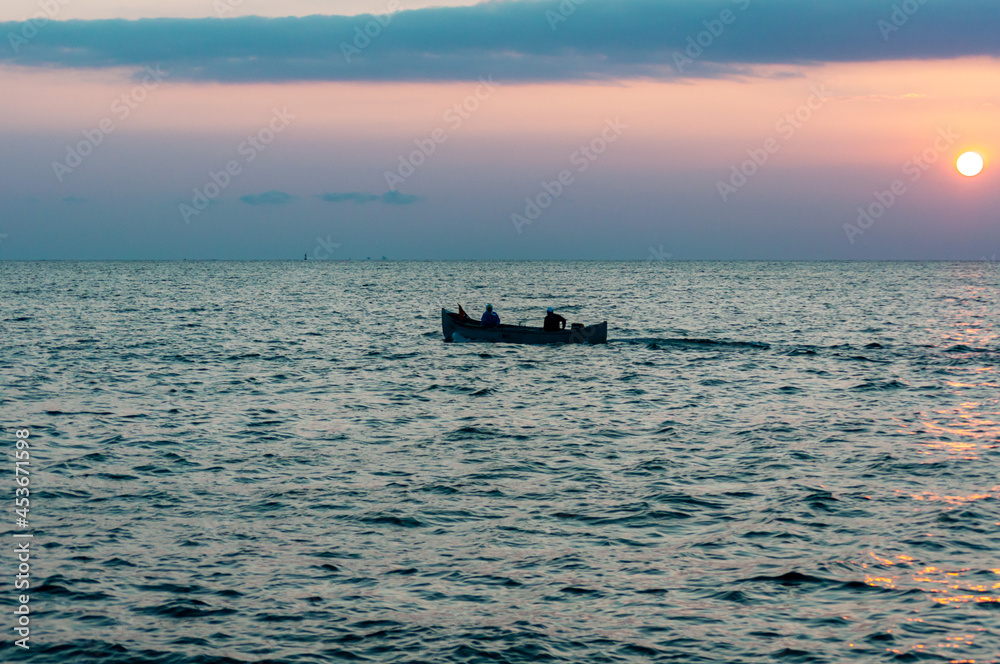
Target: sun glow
<point>970,164</point>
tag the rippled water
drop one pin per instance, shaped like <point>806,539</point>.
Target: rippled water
<point>283,462</point>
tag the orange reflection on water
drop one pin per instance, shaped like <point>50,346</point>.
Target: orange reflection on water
<point>968,327</point>
<point>943,587</point>
<point>884,561</point>
<point>981,599</point>
<point>962,432</point>
<point>956,500</point>
<point>880,581</point>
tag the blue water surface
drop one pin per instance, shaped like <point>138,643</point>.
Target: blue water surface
<point>284,462</point>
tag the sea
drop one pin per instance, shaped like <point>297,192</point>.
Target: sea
<point>284,462</point>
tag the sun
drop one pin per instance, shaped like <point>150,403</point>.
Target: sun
<point>970,164</point>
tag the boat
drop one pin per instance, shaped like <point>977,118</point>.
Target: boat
<point>453,325</point>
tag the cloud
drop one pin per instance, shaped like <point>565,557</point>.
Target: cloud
<point>396,198</point>
<point>388,198</point>
<point>351,196</point>
<point>520,40</point>
<point>267,198</point>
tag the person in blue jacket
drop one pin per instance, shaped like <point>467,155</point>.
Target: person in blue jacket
<point>490,317</point>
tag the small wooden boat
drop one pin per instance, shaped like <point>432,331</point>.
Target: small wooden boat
<point>452,324</point>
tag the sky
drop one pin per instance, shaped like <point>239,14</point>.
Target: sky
<point>520,129</point>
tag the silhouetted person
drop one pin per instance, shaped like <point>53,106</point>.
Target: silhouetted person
<point>553,321</point>
<point>490,317</point>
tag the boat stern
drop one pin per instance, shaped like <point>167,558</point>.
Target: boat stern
<point>447,326</point>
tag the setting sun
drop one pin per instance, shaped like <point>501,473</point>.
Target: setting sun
<point>970,164</point>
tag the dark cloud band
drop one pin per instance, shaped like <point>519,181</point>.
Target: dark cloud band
<point>520,40</point>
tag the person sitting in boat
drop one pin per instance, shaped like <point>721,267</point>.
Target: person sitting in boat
<point>553,321</point>
<point>490,317</point>
<point>463,315</point>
